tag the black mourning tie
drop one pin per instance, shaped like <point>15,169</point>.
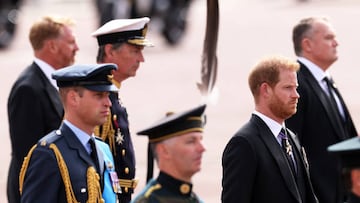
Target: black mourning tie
<point>331,91</point>
<point>286,146</point>
<point>93,154</point>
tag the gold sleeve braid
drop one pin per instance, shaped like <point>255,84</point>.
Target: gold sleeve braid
<point>106,132</point>
<point>24,167</point>
<point>94,189</point>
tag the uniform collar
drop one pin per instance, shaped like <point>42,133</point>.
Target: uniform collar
<point>175,185</point>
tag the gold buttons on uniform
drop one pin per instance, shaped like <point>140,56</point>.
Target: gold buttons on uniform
<point>184,188</point>
<point>126,170</point>
<point>123,152</point>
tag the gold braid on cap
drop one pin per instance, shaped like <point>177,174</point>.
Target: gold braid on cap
<point>106,132</point>
<point>24,167</point>
<point>94,189</point>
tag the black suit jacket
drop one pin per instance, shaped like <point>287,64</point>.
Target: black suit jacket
<point>317,127</point>
<point>256,170</point>
<point>43,181</point>
<point>34,110</point>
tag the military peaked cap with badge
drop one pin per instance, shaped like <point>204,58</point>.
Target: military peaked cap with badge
<point>132,31</point>
<point>176,124</point>
<point>348,152</point>
<point>95,77</point>
<point>173,124</point>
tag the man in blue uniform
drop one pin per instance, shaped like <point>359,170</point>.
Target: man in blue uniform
<point>70,164</point>
<point>121,42</point>
<point>348,154</point>
<point>176,143</point>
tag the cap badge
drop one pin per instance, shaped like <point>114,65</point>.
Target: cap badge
<point>110,77</point>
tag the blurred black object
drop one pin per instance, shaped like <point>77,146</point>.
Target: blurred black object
<point>171,14</point>
<point>8,17</point>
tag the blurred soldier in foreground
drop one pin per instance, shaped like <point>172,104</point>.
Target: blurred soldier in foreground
<point>176,144</point>
<point>348,154</point>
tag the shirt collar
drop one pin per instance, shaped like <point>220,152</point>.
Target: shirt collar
<point>80,134</point>
<point>315,70</point>
<point>274,126</point>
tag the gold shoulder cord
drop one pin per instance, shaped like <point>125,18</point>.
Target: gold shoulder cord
<point>70,196</point>
<point>94,189</point>
<point>107,132</point>
<point>24,167</point>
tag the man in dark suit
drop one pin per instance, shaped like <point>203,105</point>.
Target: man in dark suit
<point>34,106</point>
<point>121,42</point>
<point>70,164</point>
<point>263,161</point>
<point>322,118</point>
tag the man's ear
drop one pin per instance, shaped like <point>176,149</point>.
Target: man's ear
<point>265,89</point>
<point>108,50</point>
<point>162,150</point>
<point>306,45</point>
<point>72,97</point>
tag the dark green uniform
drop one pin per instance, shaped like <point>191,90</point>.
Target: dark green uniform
<point>167,189</point>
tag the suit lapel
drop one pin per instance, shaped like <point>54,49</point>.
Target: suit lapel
<point>55,99</point>
<point>333,116</point>
<point>302,163</point>
<point>275,151</point>
<point>299,150</point>
<point>51,91</point>
<point>75,144</point>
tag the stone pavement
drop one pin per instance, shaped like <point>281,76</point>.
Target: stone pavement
<point>249,29</point>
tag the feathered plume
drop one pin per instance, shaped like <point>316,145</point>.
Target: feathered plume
<point>209,57</point>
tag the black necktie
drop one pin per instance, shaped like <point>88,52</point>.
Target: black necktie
<point>286,146</point>
<point>332,91</point>
<point>93,154</point>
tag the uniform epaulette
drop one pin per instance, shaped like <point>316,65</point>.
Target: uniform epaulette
<point>50,138</point>
<point>44,142</point>
<point>151,190</point>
